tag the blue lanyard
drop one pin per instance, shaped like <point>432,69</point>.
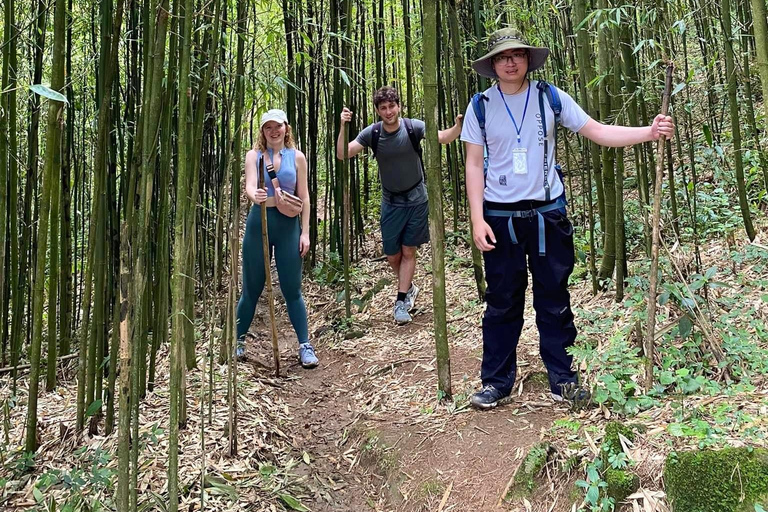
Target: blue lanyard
<point>518,129</point>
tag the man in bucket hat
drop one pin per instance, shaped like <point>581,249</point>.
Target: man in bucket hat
<point>518,210</point>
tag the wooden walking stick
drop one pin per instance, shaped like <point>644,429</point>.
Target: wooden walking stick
<point>346,216</point>
<point>648,345</point>
<point>268,275</point>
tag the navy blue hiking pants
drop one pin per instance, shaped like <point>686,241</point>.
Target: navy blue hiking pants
<point>507,277</point>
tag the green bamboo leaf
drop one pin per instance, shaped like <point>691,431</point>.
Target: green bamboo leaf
<point>344,76</point>
<point>38,495</point>
<point>679,87</point>
<point>306,39</point>
<point>586,20</point>
<point>47,92</point>
<point>93,408</point>
<point>293,503</point>
<point>216,485</point>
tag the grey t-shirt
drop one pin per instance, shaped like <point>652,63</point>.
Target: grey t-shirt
<point>398,162</point>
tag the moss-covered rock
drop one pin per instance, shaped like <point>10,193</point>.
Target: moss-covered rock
<point>621,483</point>
<point>611,442</point>
<point>728,480</point>
<point>524,482</point>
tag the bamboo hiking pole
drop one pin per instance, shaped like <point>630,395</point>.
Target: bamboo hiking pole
<point>268,276</point>
<point>648,344</point>
<point>345,220</point>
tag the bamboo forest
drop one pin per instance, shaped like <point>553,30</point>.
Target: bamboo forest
<point>138,146</point>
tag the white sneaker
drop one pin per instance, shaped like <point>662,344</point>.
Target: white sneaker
<point>410,296</point>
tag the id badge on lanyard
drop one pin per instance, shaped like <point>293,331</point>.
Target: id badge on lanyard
<point>519,154</point>
<point>520,160</point>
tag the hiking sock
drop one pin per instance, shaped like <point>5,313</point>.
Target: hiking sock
<point>401,296</point>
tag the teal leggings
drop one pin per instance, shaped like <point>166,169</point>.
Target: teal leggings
<point>284,242</point>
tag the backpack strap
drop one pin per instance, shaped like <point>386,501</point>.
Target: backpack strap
<point>553,98</point>
<point>478,106</point>
<point>375,136</point>
<point>415,141</point>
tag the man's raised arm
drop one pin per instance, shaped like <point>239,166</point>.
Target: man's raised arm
<point>354,147</point>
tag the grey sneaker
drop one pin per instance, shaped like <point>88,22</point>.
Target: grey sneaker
<point>240,350</point>
<point>307,355</point>
<point>410,297</point>
<point>401,313</point>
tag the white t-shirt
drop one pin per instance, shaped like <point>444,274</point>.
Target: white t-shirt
<point>504,183</point>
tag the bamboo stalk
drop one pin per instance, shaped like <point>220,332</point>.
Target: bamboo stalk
<point>648,345</point>
<point>8,369</point>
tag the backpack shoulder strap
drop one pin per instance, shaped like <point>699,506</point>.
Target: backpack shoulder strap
<point>553,98</point>
<point>375,136</point>
<point>415,142</point>
<point>554,101</point>
<point>478,106</point>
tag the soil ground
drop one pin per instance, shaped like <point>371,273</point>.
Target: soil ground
<point>370,411</point>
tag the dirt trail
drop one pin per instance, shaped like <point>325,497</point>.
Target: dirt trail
<point>369,415</point>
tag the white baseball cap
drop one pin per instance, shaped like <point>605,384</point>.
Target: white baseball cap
<point>274,114</point>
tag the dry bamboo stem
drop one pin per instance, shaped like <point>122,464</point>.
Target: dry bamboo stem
<point>648,345</point>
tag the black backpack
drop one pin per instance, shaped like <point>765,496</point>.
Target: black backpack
<point>415,142</point>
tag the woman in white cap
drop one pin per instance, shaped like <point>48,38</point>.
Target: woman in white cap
<point>284,170</point>
<point>518,210</point>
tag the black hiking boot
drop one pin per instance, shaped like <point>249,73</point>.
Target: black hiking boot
<point>488,398</point>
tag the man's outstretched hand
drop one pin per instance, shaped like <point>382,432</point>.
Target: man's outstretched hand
<point>662,125</point>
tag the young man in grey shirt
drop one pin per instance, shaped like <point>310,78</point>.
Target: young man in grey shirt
<point>404,211</point>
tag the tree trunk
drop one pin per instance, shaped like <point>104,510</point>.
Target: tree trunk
<point>181,237</point>
<point>242,9</point>
<point>408,59</point>
<point>745,37</point>
<point>607,89</point>
<point>53,275</point>
<point>8,32</point>
<point>434,185</point>
<point>52,168</point>
<point>464,97</point>
<point>583,53</point>
<point>733,102</point>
